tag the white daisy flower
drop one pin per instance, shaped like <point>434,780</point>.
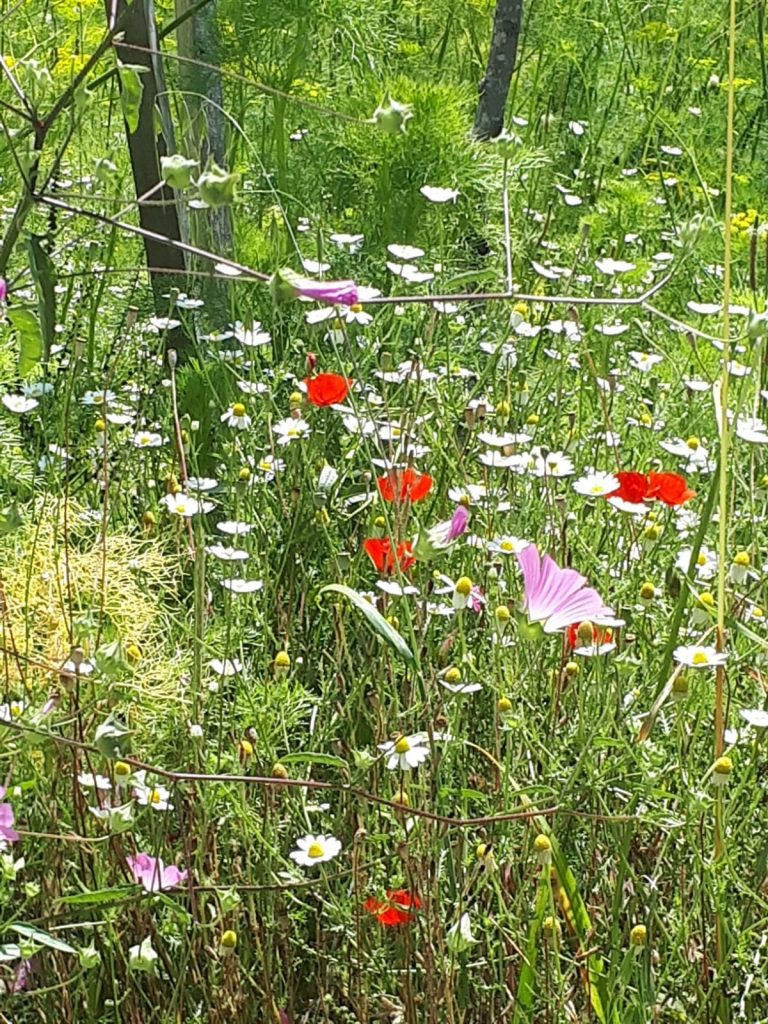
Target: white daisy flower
<point>181,504</point>
<point>147,439</point>
<point>644,361</point>
<point>435,194</point>
<point>236,417</point>
<point>156,797</point>
<point>19,404</point>
<point>240,586</point>
<point>227,667</point>
<point>507,545</point>
<point>289,430</point>
<point>225,554</point>
<point>596,483</point>
<point>405,753</point>
<point>697,656</point>
<point>312,850</point>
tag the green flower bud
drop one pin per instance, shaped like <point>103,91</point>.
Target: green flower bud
<point>391,117</point>
<point>176,170</point>
<point>217,186</point>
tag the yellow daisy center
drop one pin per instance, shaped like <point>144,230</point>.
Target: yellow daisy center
<point>507,545</point>
<point>700,658</point>
<point>402,746</point>
<point>155,796</point>
<point>315,851</point>
<point>238,409</point>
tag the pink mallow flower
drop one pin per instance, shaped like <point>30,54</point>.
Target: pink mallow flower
<point>286,284</point>
<point>153,874</point>
<point>554,597</point>
<point>7,832</point>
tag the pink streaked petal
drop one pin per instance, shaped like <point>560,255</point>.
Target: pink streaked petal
<point>586,605</point>
<point>556,587</point>
<point>529,561</point>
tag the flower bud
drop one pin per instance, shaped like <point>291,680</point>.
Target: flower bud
<point>391,117</point>
<point>543,848</point>
<point>504,705</point>
<point>279,771</point>
<point>228,942</point>
<point>639,935</point>
<point>585,634</point>
<point>721,770</point>
<point>176,170</point>
<point>216,186</point>
<point>282,663</point>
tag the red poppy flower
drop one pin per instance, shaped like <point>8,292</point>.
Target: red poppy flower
<point>633,487</point>
<point>327,388</point>
<point>600,635</point>
<point>395,910</point>
<point>670,488</point>
<point>405,485</point>
<point>380,553</point>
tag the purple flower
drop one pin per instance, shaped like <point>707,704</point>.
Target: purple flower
<point>23,976</point>
<point>557,597</point>
<point>153,874</point>
<point>7,832</point>
<point>459,523</point>
<point>3,290</point>
<point>429,544</point>
<point>287,284</point>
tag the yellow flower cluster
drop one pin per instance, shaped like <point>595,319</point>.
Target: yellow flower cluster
<point>743,221</point>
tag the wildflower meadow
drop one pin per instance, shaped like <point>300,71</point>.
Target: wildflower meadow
<point>383,495</point>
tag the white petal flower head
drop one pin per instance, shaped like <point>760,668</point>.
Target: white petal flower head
<point>756,717</point>
<point>596,484</point>
<point>435,194</point>
<point>156,797</point>
<point>147,439</point>
<point>19,404</point>
<point>609,266</point>
<point>236,417</point>
<point>644,361</point>
<point>311,850</point>
<point>405,753</point>
<point>698,656</point>
<point>289,430</point>
<point>181,505</point>
<point>459,937</point>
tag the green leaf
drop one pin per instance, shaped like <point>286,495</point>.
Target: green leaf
<point>131,92</point>
<point>27,327</point>
<point>311,757</point>
<point>375,620</point>
<point>90,899</point>
<point>526,985</point>
<point>33,934</point>
<point>44,276</point>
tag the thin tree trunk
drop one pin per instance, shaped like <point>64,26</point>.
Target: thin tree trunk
<point>146,146</point>
<point>205,133</point>
<point>494,89</point>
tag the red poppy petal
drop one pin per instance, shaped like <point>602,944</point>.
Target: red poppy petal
<point>421,487</point>
<point>671,488</point>
<point>633,487</point>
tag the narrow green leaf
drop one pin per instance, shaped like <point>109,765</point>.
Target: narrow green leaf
<point>312,757</point>
<point>41,938</point>
<point>27,328</point>
<point>131,92</point>
<point>375,620</point>
<point>526,985</point>
<point>44,276</point>
<point>89,899</point>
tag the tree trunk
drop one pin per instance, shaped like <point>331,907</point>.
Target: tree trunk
<point>494,89</point>
<point>202,98</point>
<point>166,263</point>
